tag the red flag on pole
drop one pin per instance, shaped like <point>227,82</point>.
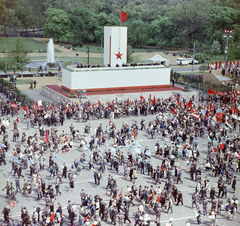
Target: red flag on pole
<point>123,16</point>
<point>52,217</point>
<point>85,219</point>
<point>208,66</point>
<point>230,64</point>
<point>237,64</point>
<point>128,100</point>
<point>47,140</point>
<point>226,64</point>
<point>222,146</point>
<point>174,111</point>
<point>162,167</point>
<point>141,97</point>
<point>99,103</point>
<point>153,100</point>
<point>178,102</point>
<point>121,192</point>
<point>219,64</point>
<point>215,149</point>
<point>216,63</point>
<point>189,104</point>
<point>229,92</point>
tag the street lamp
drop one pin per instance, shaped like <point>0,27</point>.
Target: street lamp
<point>227,34</point>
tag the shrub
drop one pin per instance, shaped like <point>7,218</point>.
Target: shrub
<point>200,57</point>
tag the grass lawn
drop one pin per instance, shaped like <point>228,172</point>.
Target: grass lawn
<point>23,81</point>
<point>92,48</point>
<point>30,44</point>
<point>153,50</point>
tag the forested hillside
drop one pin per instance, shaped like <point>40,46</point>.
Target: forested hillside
<point>172,23</point>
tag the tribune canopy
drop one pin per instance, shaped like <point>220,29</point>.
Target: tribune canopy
<point>158,59</point>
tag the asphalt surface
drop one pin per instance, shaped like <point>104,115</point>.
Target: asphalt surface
<point>181,214</point>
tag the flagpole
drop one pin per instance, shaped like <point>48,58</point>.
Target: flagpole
<point>120,18</point>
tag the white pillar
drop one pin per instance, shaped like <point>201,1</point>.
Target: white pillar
<point>115,46</point>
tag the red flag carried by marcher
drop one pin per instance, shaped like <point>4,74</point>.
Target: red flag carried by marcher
<point>13,105</point>
<point>219,64</point>
<point>215,149</point>
<point>47,140</point>
<point>237,64</point>
<point>178,102</point>
<point>230,64</point>
<point>219,116</point>
<point>195,115</point>
<point>12,203</point>
<point>121,192</point>
<point>221,146</point>
<point>85,219</point>
<point>52,217</point>
<point>174,111</point>
<point>128,100</point>
<point>226,63</point>
<point>211,91</point>
<point>185,146</point>
<point>123,16</point>
<point>216,63</point>
<point>189,104</point>
<point>141,97</point>
<point>153,100</point>
<point>25,108</point>
<point>162,167</point>
<point>208,66</point>
<point>99,103</point>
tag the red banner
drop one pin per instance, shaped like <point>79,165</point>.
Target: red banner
<point>12,203</point>
<point>211,91</point>
<point>12,105</point>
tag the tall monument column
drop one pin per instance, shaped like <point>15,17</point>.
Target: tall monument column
<point>115,46</point>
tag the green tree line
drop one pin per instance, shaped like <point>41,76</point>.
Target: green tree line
<point>161,23</point>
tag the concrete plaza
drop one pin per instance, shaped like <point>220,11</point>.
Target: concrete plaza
<point>181,214</point>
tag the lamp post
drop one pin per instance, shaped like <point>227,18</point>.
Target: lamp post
<point>88,54</point>
<point>193,56</point>
<point>227,34</point>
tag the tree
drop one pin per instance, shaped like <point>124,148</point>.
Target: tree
<point>202,68</point>
<point>18,57</point>
<point>189,22</point>
<point>7,14</point>
<point>215,48</point>
<point>31,15</point>
<point>57,25</point>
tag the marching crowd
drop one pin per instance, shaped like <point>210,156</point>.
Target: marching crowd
<point>176,127</point>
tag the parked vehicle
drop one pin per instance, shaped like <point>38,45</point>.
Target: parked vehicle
<point>182,61</point>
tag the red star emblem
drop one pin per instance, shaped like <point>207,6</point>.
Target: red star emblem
<point>119,55</point>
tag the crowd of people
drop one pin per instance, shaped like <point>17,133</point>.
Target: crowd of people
<point>175,129</point>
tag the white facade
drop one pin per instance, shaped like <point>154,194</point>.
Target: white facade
<point>115,41</point>
<point>99,78</point>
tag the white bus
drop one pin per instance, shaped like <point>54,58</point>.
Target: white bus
<point>183,60</point>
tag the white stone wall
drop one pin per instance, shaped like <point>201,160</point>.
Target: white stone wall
<point>94,78</point>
